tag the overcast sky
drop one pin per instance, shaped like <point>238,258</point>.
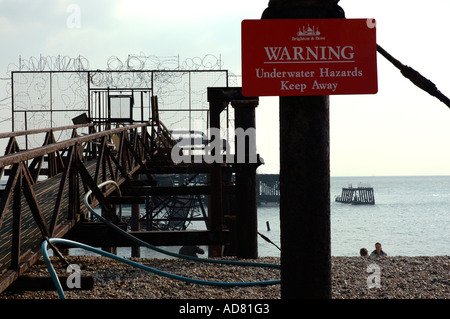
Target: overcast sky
<point>401,130</point>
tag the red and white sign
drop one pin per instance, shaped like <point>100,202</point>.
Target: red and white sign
<point>309,57</point>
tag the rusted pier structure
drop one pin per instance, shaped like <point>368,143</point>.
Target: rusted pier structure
<point>238,210</point>
<point>45,186</point>
<point>361,195</point>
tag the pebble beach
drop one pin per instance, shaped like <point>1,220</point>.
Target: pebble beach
<point>352,278</point>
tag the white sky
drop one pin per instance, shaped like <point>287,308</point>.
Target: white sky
<point>399,131</point>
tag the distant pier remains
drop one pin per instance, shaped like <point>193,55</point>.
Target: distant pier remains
<point>361,195</point>
<point>268,188</point>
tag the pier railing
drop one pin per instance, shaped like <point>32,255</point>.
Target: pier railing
<point>44,186</point>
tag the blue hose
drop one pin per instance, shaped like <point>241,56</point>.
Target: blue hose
<point>166,252</point>
<point>150,269</point>
<point>61,294</point>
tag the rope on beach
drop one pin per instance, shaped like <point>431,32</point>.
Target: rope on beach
<point>147,268</point>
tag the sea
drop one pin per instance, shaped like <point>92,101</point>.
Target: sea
<point>411,217</point>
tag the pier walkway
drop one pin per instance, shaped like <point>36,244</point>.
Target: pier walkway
<point>43,189</point>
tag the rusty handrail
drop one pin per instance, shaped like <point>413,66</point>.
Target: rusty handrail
<point>47,149</point>
<point>44,130</point>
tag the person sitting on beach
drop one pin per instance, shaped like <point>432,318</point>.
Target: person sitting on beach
<point>191,251</point>
<point>363,252</point>
<point>378,251</point>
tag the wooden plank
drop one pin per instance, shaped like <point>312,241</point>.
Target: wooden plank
<point>34,206</point>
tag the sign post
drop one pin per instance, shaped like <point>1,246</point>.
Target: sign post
<point>283,62</point>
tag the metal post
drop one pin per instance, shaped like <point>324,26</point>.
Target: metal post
<point>17,218</point>
<point>12,100</point>
<point>246,211</point>
<point>304,175</point>
<point>215,218</point>
<point>135,223</point>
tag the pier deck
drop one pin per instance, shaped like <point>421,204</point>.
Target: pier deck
<point>45,187</point>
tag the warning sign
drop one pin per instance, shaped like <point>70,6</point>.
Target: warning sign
<point>309,57</point>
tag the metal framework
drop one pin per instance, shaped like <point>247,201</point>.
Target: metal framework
<point>44,186</point>
<point>54,98</point>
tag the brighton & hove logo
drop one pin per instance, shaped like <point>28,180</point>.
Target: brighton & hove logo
<point>308,33</point>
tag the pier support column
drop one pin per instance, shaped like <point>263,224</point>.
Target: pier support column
<point>305,197</point>
<point>215,211</point>
<point>246,218</point>
<point>112,250</point>
<point>304,174</point>
<point>246,210</point>
<point>135,224</point>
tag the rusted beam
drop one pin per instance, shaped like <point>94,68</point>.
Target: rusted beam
<point>35,209</point>
<point>190,167</point>
<point>102,150</point>
<point>124,200</point>
<point>62,185</point>
<point>12,147</point>
<point>119,168</point>
<point>87,179</point>
<point>166,190</point>
<point>8,191</point>
<point>74,189</point>
<point>44,130</point>
<point>99,234</point>
<point>16,221</point>
<point>227,94</point>
<point>135,224</point>
<point>134,153</point>
<point>27,260</point>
